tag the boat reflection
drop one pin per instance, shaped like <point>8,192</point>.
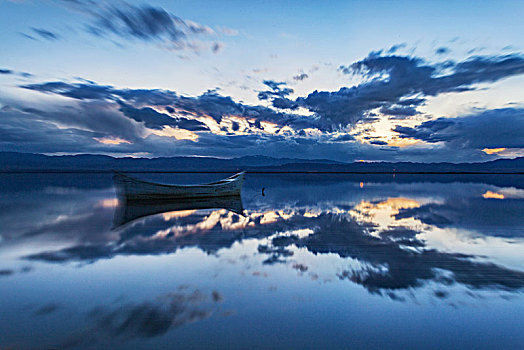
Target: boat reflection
<point>128,211</point>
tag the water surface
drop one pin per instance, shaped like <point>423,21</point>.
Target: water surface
<point>316,261</point>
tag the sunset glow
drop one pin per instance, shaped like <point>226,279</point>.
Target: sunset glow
<point>111,141</point>
<point>493,150</point>
<point>493,195</point>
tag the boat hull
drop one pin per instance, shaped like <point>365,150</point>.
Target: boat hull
<point>132,189</point>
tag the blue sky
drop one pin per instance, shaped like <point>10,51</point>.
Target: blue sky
<point>345,80</point>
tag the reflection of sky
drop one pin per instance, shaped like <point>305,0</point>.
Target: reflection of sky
<point>329,253</point>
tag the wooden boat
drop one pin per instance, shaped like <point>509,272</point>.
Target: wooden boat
<point>132,189</point>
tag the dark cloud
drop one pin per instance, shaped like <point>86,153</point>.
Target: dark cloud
<point>378,142</point>
<point>27,36</point>
<point>6,71</point>
<point>394,86</point>
<point>442,50</point>
<point>29,129</point>
<point>217,47</point>
<point>155,120</point>
<point>396,47</point>
<point>499,128</point>
<point>284,103</point>
<point>46,34</point>
<point>395,78</point>
<point>300,77</point>
<point>344,138</point>
<point>208,104</point>
<point>399,111</point>
<point>142,22</point>
<point>278,89</point>
<point>77,91</point>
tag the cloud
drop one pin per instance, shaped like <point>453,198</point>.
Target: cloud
<point>442,50</point>
<point>142,22</point>
<point>378,142</point>
<point>393,86</point>
<point>155,120</point>
<point>227,31</point>
<point>277,89</point>
<point>77,91</point>
<point>499,128</point>
<point>394,79</point>
<point>399,111</point>
<point>67,128</point>
<point>6,71</point>
<point>217,47</point>
<point>300,77</point>
<point>209,104</point>
<point>46,34</point>
<point>396,47</point>
<point>344,138</point>
<point>397,86</point>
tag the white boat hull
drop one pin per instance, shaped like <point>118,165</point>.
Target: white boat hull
<point>133,189</point>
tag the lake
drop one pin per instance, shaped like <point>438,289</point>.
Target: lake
<point>316,261</point>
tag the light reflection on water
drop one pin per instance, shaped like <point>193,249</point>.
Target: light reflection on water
<point>317,261</point>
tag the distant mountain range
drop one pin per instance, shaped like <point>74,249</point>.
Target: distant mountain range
<point>28,162</point>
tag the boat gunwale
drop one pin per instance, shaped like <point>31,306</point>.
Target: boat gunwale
<point>225,181</point>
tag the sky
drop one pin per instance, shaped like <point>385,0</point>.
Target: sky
<point>349,81</point>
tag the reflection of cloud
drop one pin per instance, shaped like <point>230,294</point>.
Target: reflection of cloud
<point>478,213</point>
<point>46,309</point>
<point>177,214</point>
<point>108,203</point>
<point>384,233</point>
<point>383,213</point>
<point>148,319</point>
<point>391,266</point>
<point>391,257</point>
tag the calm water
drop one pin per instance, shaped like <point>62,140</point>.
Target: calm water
<point>319,261</point>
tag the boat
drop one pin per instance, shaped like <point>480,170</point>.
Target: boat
<point>131,189</point>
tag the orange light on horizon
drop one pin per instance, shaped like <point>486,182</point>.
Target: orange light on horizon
<point>493,150</point>
<point>493,195</point>
<point>361,185</point>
